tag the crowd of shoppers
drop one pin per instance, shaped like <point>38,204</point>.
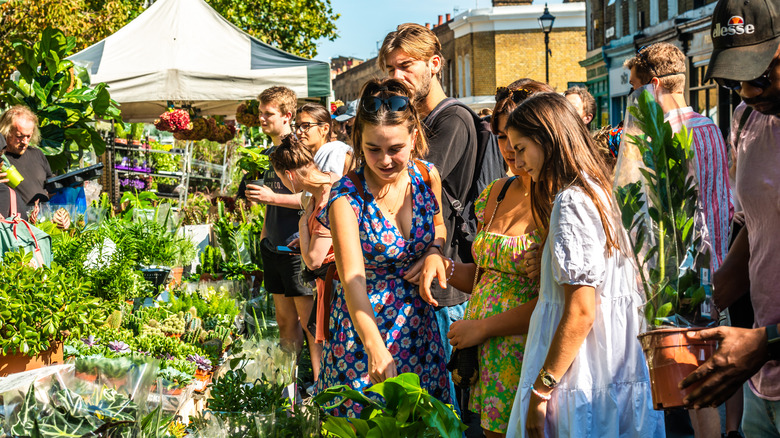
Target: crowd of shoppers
<point>545,288</point>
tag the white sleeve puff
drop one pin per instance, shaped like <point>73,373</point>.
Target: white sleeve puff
<point>578,240</point>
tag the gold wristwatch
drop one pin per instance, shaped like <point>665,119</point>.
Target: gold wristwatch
<point>548,379</point>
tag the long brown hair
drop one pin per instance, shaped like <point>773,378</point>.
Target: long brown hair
<point>386,88</point>
<point>569,157</point>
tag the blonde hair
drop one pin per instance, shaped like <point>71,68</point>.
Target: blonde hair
<point>385,88</point>
<point>282,97</point>
<point>19,111</point>
<point>569,156</point>
<point>660,59</point>
<point>417,41</point>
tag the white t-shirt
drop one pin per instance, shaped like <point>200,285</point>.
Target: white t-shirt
<point>331,157</point>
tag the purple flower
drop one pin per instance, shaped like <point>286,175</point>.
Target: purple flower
<point>203,363</point>
<point>90,341</point>
<point>119,347</point>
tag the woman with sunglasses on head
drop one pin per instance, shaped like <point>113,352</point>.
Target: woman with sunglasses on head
<point>502,294</point>
<point>384,217</point>
<point>294,165</point>
<point>313,125</point>
<point>583,372</point>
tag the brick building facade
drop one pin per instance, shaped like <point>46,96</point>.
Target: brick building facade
<point>491,47</point>
<point>616,29</point>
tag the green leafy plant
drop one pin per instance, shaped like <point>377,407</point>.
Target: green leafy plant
<point>253,160</point>
<point>407,411</point>
<point>38,307</point>
<point>60,94</point>
<point>660,211</point>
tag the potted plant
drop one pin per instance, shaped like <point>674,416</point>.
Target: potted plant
<point>659,209</point>
<point>407,410</point>
<point>39,308</point>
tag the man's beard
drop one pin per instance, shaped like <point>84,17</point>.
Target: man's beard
<point>425,87</point>
<point>769,105</point>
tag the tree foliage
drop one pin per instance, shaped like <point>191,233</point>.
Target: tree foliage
<point>59,93</point>
<point>87,21</point>
<point>290,25</point>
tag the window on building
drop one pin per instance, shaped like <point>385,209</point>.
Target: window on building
<point>654,13</point>
<point>632,16</point>
<point>671,9</point>
<point>619,19</point>
<point>460,76</point>
<point>467,74</point>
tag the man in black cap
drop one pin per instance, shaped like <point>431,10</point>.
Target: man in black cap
<point>746,58</point>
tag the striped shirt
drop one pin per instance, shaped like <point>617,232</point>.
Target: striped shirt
<point>712,172</point>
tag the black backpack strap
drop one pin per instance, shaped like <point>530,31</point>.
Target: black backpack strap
<point>504,189</point>
<point>444,104</point>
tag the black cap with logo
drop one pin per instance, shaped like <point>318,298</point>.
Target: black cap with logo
<point>745,35</point>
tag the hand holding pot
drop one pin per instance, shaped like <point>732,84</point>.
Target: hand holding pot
<point>742,352</point>
<point>3,177</point>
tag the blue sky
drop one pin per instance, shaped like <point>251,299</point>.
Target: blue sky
<point>364,23</point>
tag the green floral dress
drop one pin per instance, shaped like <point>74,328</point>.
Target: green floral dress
<point>502,286</point>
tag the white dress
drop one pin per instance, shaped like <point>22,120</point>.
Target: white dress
<point>606,391</point>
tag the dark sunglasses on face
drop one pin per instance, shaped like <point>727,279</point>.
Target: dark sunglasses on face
<point>393,103</point>
<point>763,82</point>
<point>517,95</point>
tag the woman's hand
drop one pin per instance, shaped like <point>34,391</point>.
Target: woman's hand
<point>295,243</point>
<point>381,365</point>
<point>432,266</point>
<point>537,413</point>
<point>533,262</point>
<point>467,333</point>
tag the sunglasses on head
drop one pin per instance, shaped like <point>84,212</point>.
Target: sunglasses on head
<point>517,95</point>
<point>763,82</point>
<point>393,103</point>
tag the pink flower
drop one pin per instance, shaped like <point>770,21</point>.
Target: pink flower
<point>388,238</point>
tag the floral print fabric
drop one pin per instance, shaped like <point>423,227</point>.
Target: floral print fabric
<point>406,322</point>
<point>502,286</point>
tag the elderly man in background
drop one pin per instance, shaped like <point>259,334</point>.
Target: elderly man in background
<point>19,127</point>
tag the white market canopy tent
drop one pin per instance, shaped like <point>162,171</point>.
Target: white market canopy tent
<point>185,52</point>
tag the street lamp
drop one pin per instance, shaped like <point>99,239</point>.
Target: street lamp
<point>546,23</point>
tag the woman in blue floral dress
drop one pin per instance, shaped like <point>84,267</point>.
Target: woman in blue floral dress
<point>383,220</point>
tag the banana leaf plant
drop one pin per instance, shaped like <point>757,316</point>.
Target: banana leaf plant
<point>407,411</point>
<point>661,213</point>
<point>60,93</point>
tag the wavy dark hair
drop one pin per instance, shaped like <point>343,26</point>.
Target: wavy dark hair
<point>506,105</point>
<point>386,88</point>
<point>569,157</point>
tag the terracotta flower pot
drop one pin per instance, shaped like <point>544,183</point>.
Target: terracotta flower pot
<point>17,363</point>
<point>176,274</point>
<point>671,357</point>
<point>87,377</point>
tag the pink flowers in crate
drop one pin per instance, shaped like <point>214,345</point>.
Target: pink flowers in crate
<point>174,120</point>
